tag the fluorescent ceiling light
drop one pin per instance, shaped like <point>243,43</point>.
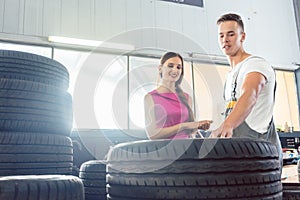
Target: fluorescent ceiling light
<point>75,41</point>
<point>90,43</point>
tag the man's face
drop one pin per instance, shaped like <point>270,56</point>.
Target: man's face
<point>231,37</point>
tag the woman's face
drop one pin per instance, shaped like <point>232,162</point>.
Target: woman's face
<point>171,70</point>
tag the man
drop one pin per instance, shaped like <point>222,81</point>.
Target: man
<point>249,89</point>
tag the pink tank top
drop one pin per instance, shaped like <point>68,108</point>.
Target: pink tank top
<point>169,111</point>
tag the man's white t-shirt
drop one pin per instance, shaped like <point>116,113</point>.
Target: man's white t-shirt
<point>262,112</point>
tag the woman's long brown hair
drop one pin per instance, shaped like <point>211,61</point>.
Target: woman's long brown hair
<point>179,90</point>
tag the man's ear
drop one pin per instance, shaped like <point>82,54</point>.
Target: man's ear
<point>243,36</point>
<point>159,68</point>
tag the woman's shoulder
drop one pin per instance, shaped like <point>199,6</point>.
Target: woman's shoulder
<point>153,92</point>
<point>148,99</point>
<point>150,94</point>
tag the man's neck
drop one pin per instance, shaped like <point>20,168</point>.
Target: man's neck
<point>236,59</point>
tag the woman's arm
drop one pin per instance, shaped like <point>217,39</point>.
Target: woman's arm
<point>152,131</point>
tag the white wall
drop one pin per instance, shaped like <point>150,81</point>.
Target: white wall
<point>270,24</point>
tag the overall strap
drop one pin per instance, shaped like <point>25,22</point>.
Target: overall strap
<point>233,99</point>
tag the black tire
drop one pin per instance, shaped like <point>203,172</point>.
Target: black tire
<point>34,107</point>
<point>193,166</point>
<point>94,197</point>
<point>291,191</point>
<point>298,170</point>
<point>30,153</point>
<point>35,115</point>
<point>147,156</point>
<point>189,179</point>
<point>33,121</point>
<point>265,197</point>
<point>214,148</point>
<point>32,99</point>
<point>27,66</point>
<point>198,192</point>
<point>94,166</point>
<point>51,187</point>
<point>236,168</point>
<point>18,105</point>
<point>93,176</point>
<point>29,86</point>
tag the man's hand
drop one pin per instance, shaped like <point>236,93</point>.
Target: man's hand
<point>224,131</point>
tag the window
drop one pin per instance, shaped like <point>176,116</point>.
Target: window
<point>43,51</point>
<point>209,82</point>
<point>286,105</point>
<point>143,77</point>
<point>108,90</point>
<point>72,60</point>
<point>97,83</point>
<point>111,95</point>
<point>198,3</point>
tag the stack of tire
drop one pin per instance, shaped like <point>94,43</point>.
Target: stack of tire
<point>291,191</point>
<point>93,175</point>
<point>298,170</point>
<point>236,168</point>
<point>35,125</point>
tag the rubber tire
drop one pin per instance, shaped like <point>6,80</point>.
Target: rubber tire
<point>93,176</point>
<point>189,179</point>
<point>227,154</point>
<point>34,107</point>
<point>269,197</point>
<point>291,191</point>
<point>31,153</point>
<point>32,67</point>
<point>30,86</point>
<point>46,187</point>
<point>298,170</point>
<point>33,114</point>
<point>208,148</point>
<point>233,168</point>
<point>198,192</point>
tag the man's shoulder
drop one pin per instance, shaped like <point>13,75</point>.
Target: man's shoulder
<point>256,62</point>
<point>257,59</point>
<point>254,58</point>
<point>260,65</point>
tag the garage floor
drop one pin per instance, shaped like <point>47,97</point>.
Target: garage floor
<point>290,173</point>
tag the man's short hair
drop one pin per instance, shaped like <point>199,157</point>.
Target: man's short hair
<point>232,17</point>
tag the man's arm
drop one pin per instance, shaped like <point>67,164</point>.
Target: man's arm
<point>251,88</point>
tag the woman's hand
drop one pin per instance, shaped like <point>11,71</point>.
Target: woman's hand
<point>204,124</point>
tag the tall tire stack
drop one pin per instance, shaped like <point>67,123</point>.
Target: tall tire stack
<point>236,168</point>
<point>93,175</point>
<point>35,125</point>
<point>298,170</point>
<point>291,191</point>
<point>35,115</point>
<point>41,187</point>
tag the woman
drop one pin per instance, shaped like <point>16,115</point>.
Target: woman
<point>168,112</point>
